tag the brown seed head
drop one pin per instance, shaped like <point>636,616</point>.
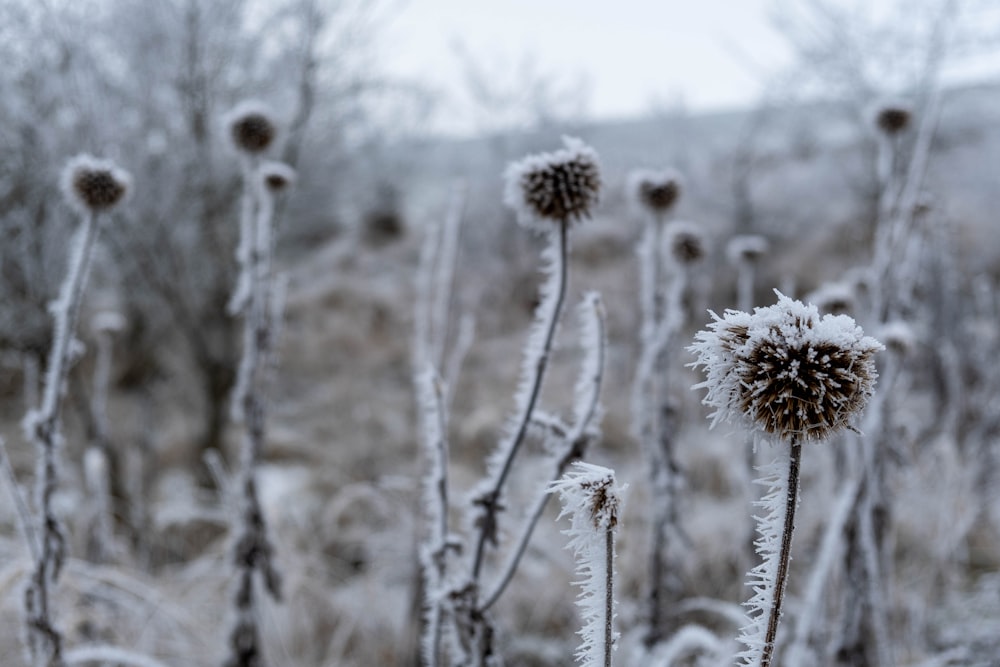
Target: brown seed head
<point>276,176</point>
<point>656,191</point>
<point>892,118</point>
<point>686,242</point>
<point>786,371</point>
<point>562,186</point>
<point>251,128</point>
<point>93,185</point>
<point>746,248</point>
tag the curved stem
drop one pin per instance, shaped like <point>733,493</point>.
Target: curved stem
<point>490,501</point>
<point>791,500</point>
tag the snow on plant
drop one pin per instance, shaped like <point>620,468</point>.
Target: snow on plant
<point>791,374</point>
<point>256,298</point>
<point>592,499</point>
<point>91,187</point>
<point>550,193</point>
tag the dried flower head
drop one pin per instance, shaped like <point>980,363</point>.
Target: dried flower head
<point>562,186</point>
<point>92,185</point>
<point>276,176</point>
<point>686,242</point>
<point>657,191</point>
<point>746,248</point>
<point>786,371</point>
<point>892,117</point>
<point>108,322</point>
<point>898,337</point>
<point>834,298</point>
<point>251,127</point>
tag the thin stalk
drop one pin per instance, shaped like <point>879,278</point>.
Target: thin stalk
<point>576,440</point>
<point>490,500</point>
<point>609,594</point>
<point>791,500</point>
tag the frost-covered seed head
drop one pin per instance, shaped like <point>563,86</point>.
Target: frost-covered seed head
<point>108,322</point>
<point>898,337</point>
<point>277,176</point>
<point>834,298</point>
<point>746,248</point>
<point>686,242</point>
<point>251,127</point>
<point>657,191</point>
<point>892,118</point>
<point>562,186</point>
<point>94,186</point>
<point>786,371</point>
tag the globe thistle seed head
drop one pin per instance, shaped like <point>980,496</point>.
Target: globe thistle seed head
<point>834,298</point>
<point>94,186</point>
<point>251,127</point>
<point>656,191</point>
<point>746,249</point>
<point>686,242</point>
<point>558,187</point>
<point>108,322</point>
<point>276,176</point>
<point>898,337</point>
<point>892,117</point>
<point>786,371</point>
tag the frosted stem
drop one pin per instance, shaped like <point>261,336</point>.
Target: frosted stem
<point>791,500</point>
<point>609,595</point>
<point>490,500</point>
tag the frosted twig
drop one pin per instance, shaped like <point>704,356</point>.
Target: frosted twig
<point>592,499</point>
<point>574,439</point>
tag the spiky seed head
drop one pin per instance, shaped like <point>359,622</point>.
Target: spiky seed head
<point>834,298</point>
<point>251,127</point>
<point>276,176</point>
<point>786,371</point>
<point>686,242</point>
<point>898,337</point>
<point>746,248</point>
<point>892,117</point>
<point>656,191</point>
<point>108,322</point>
<point>94,186</point>
<point>558,187</point>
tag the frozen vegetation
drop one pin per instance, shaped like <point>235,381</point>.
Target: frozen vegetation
<point>284,385</point>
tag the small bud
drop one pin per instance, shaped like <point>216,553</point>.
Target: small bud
<point>686,242</point>
<point>834,298</point>
<point>892,117</point>
<point>108,322</point>
<point>898,338</point>
<point>746,249</point>
<point>251,127</point>
<point>276,176</point>
<point>94,186</point>
<point>657,191</point>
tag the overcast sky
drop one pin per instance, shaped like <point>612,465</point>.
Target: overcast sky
<point>633,54</point>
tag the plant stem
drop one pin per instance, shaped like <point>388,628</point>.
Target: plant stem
<point>609,594</point>
<point>490,500</point>
<point>791,500</point>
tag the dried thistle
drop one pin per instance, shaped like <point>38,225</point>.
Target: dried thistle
<point>276,176</point>
<point>834,298</point>
<point>892,117</point>
<point>656,191</point>
<point>92,185</point>
<point>746,248</point>
<point>686,242</point>
<point>561,187</point>
<point>251,127</point>
<point>786,371</point>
